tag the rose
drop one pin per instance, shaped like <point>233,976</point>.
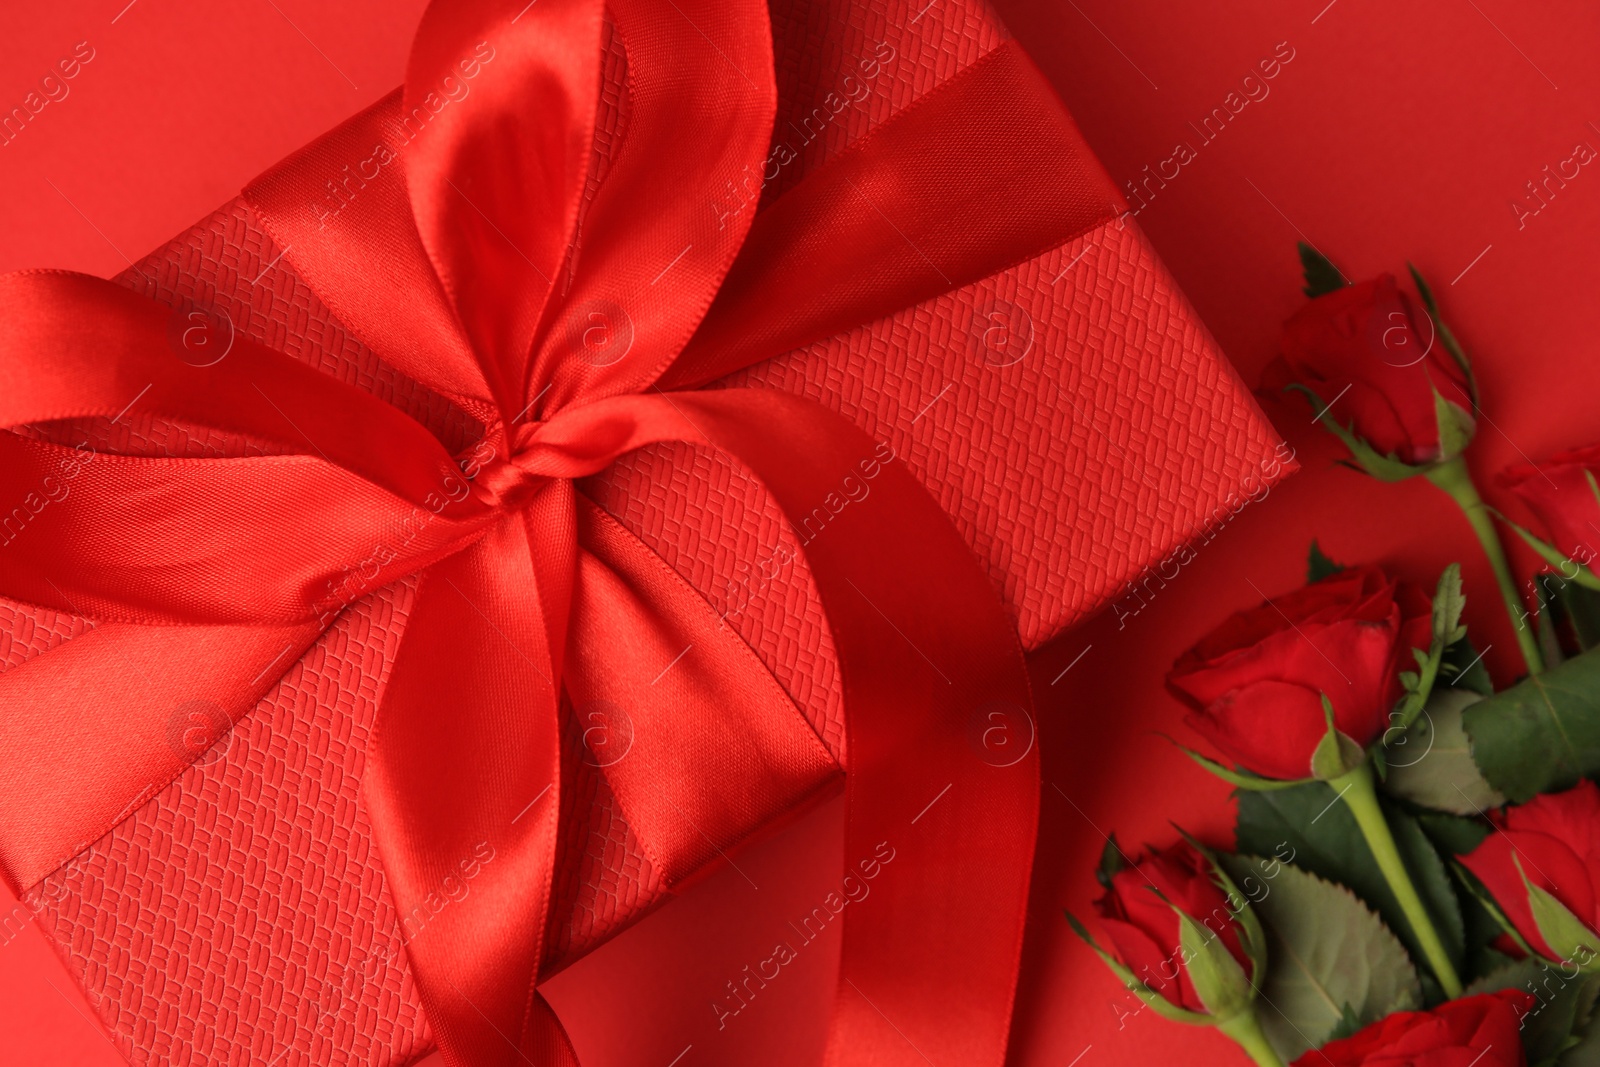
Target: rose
<point>1256,682</point>
<point>1554,842</point>
<point>1377,365</point>
<point>1136,913</point>
<point>1182,938</point>
<point>1482,1031</point>
<point>1560,495</point>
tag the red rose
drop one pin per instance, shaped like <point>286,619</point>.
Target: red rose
<point>1481,1031</point>
<point>1559,495</point>
<point>1556,838</point>
<point>1256,682</point>
<point>1368,351</point>
<point>1144,929</point>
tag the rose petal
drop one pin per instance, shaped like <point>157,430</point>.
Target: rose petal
<point>1151,963</point>
<point>1380,355</point>
<point>1270,728</point>
<point>1547,862</point>
<point>1558,493</point>
<point>1478,1031</point>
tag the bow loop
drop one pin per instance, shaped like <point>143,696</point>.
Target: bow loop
<point>508,98</point>
<point>566,292</point>
<point>696,115</point>
<point>352,493</point>
<point>481,231</point>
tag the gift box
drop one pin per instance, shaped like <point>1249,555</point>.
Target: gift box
<point>1066,411</point>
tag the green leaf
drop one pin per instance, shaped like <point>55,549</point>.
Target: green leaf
<point>1546,620</point>
<point>1583,1050</point>
<point>1453,835</point>
<point>1485,924</point>
<point>1553,1029</point>
<point>1586,1053</point>
<point>1331,959</point>
<point>1433,882</point>
<point>1322,277</point>
<point>1581,608</point>
<point>1542,734</point>
<point>1349,1025</point>
<point>1431,765</point>
<point>1448,604</point>
<point>1319,566</point>
<point>1574,619</point>
<point>1327,842</point>
<point>1461,667</point>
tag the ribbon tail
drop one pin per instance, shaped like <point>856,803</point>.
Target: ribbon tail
<point>943,770</point>
<point>462,784</point>
<point>700,743</point>
<point>943,783</point>
<point>546,1043</point>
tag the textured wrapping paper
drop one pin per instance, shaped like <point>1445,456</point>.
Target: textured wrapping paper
<point>1068,413</point>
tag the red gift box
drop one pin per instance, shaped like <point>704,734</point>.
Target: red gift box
<point>1067,412</point>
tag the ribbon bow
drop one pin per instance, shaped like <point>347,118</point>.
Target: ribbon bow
<point>536,233</point>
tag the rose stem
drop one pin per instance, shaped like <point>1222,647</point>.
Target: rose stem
<point>1245,1029</point>
<point>1360,796</point>
<point>1452,476</point>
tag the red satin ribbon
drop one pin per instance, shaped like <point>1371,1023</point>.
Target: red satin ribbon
<point>474,263</point>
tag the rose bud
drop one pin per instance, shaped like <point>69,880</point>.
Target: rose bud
<point>1139,914</point>
<point>1542,868</point>
<point>1483,1031</point>
<point>1381,377</point>
<point>1394,386</point>
<point>1256,683</point>
<point>1184,940</point>
<point>1562,495</point>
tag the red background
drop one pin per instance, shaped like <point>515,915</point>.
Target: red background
<point>1396,131</point>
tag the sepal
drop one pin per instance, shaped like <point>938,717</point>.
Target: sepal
<point>1318,565</point>
<point>1555,557</point>
<point>1251,934</point>
<point>1564,932</point>
<point>1218,980</point>
<point>1451,345</point>
<point>1112,861</point>
<point>1456,427</point>
<point>1475,889</point>
<point>1154,1000</point>
<point>1322,277</point>
<point>1365,458</point>
<point>1241,779</point>
<point>1337,754</point>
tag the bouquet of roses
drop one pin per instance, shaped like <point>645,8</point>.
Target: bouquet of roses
<point>1416,875</point>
